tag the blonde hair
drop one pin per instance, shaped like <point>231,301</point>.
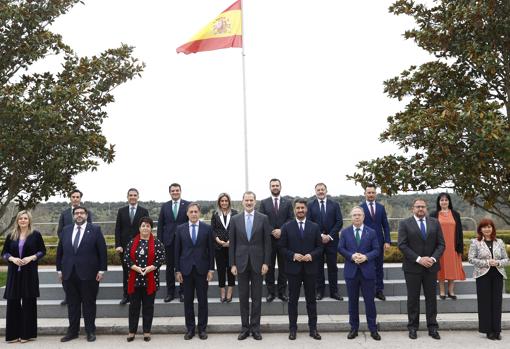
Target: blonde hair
<point>16,232</point>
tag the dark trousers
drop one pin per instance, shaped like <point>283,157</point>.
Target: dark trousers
<point>81,293</point>
<point>295,282</point>
<point>270,276</point>
<point>223,268</point>
<point>489,292</point>
<point>330,258</point>
<point>379,272</point>
<point>250,281</point>
<point>125,275</point>
<point>195,282</point>
<point>170,270</point>
<point>414,282</point>
<point>366,286</point>
<point>140,299</point>
<point>21,319</point>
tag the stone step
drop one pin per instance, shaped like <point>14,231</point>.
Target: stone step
<point>110,308</point>
<point>268,324</point>
<point>114,290</point>
<point>392,271</point>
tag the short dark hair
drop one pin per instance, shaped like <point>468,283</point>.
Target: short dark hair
<point>147,220</point>
<point>274,180</point>
<point>299,201</point>
<point>133,189</point>
<point>249,193</point>
<point>370,185</point>
<point>325,186</point>
<point>419,199</point>
<point>81,208</point>
<point>174,185</point>
<point>191,204</point>
<point>76,191</point>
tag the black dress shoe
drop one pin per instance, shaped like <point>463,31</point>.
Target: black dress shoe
<point>320,295</point>
<point>490,336</point>
<point>352,334</point>
<point>497,336</point>
<point>69,337</point>
<point>189,335</point>
<point>124,301</point>
<point>256,335</point>
<point>181,298</point>
<point>315,335</point>
<point>434,334</point>
<point>283,297</point>
<point>375,335</point>
<point>168,299</point>
<point>292,335</point>
<point>243,335</point>
<point>270,297</point>
<point>91,337</point>
<point>380,295</point>
<point>64,302</point>
<point>336,296</point>
<point>413,334</point>
<point>202,335</point>
<point>146,338</point>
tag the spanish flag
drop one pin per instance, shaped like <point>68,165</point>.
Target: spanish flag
<point>222,32</point>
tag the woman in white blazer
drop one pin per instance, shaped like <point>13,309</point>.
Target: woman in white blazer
<point>489,257</point>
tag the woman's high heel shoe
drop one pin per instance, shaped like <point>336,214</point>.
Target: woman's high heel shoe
<point>452,296</point>
<point>130,338</point>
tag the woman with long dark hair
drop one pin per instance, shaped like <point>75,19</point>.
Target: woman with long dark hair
<point>488,255</point>
<point>451,260</point>
<point>22,249</point>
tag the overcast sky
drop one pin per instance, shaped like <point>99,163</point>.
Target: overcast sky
<point>315,101</point>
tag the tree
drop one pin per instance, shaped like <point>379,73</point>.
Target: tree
<point>50,123</point>
<point>454,131</point>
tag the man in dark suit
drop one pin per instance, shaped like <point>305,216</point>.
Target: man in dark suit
<point>420,239</point>
<point>326,213</point>
<point>375,218</point>
<point>81,263</point>
<point>126,227</point>
<point>194,265</point>
<point>360,248</point>
<point>66,218</point>
<point>279,211</point>
<point>172,214</point>
<point>249,257</point>
<point>301,244</point>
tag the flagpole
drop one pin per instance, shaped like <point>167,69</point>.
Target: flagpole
<point>246,182</point>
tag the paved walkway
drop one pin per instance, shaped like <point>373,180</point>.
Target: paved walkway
<point>450,340</point>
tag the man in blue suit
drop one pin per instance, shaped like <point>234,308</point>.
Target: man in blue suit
<point>326,213</point>
<point>301,244</point>
<point>194,265</point>
<point>375,218</point>
<point>172,214</point>
<point>360,248</point>
<point>81,263</point>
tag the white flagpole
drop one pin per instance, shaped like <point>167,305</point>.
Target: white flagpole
<point>244,104</point>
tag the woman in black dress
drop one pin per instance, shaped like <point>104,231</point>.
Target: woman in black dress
<point>220,222</point>
<point>22,249</point>
<point>144,256</point>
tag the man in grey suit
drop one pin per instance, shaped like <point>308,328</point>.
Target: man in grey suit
<point>420,239</point>
<point>249,256</point>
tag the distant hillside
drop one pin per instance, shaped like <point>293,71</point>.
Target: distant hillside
<point>397,206</point>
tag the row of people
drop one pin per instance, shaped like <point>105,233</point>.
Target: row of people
<point>81,267</point>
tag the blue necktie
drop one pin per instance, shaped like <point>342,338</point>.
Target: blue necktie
<point>423,230</point>
<point>301,230</point>
<point>323,215</point>
<point>249,226</point>
<point>76,239</point>
<point>193,233</point>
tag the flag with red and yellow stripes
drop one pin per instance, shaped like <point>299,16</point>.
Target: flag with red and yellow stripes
<point>222,32</point>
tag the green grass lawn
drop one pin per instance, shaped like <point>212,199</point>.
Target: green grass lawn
<point>3,278</point>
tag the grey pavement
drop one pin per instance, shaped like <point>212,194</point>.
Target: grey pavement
<point>450,340</point>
